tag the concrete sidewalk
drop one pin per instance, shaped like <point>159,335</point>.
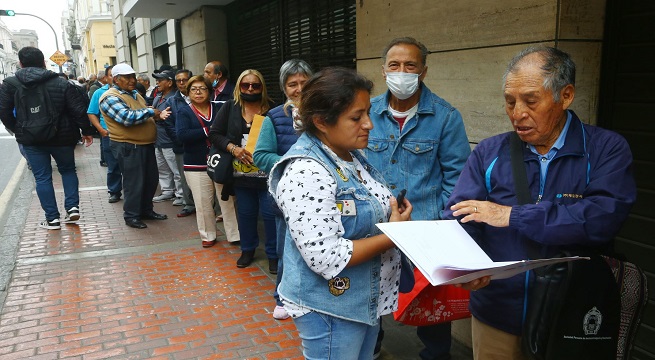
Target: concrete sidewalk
<point>102,290</point>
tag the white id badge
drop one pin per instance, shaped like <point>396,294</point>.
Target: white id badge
<point>347,207</point>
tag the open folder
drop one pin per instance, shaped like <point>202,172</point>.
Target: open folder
<point>445,253</point>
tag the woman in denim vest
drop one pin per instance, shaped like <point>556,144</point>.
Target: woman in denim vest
<point>341,274</point>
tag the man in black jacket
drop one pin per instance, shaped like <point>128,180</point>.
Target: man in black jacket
<point>217,74</point>
<point>71,108</point>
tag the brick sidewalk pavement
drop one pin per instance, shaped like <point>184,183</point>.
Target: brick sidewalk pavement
<point>102,290</point>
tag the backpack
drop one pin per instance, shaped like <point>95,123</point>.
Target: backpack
<point>37,121</point>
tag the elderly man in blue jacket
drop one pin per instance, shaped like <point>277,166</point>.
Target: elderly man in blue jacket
<point>579,178</point>
<point>418,143</point>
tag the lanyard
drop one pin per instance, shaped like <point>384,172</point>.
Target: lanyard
<point>202,119</point>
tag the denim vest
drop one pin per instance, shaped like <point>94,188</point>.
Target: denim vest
<point>284,132</point>
<point>353,295</point>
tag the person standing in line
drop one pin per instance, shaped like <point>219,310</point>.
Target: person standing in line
<point>70,107</point>
<point>114,175</point>
<point>230,132</point>
<point>132,134</point>
<point>170,183</point>
<point>218,75</point>
<point>418,143</point>
<point>579,176</point>
<point>176,103</point>
<point>192,127</point>
<point>276,136</point>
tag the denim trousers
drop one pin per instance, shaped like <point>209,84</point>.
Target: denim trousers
<point>40,159</point>
<point>327,337</point>
<point>251,202</point>
<point>114,175</point>
<point>281,229</point>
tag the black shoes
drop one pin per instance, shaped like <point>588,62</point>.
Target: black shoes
<point>272,266</point>
<point>135,223</point>
<point>103,163</point>
<point>114,198</point>
<point>186,212</point>
<point>153,216</point>
<point>246,258</point>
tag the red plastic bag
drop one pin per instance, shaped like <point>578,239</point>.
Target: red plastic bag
<point>429,305</point>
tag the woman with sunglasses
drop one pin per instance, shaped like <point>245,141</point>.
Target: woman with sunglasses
<point>230,132</point>
<point>192,128</point>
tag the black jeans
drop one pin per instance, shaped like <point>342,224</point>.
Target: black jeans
<point>140,177</point>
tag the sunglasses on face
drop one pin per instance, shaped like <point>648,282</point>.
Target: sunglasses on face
<point>246,86</point>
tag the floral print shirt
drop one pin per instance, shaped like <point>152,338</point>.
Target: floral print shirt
<point>308,192</point>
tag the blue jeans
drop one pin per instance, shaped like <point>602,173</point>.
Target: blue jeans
<point>327,337</point>
<point>40,159</point>
<point>251,202</point>
<point>114,175</point>
<point>281,229</point>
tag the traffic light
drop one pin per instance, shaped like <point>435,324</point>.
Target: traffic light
<point>7,13</point>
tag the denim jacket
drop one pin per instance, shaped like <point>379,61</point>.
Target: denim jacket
<point>353,295</point>
<point>426,157</point>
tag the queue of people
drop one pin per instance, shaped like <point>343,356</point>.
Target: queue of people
<point>325,169</point>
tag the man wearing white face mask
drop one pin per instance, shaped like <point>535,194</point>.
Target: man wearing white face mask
<point>418,143</point>
<point>222,88</point>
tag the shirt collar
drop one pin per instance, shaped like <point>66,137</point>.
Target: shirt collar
<point>559,143</point>
<point>132,93</point>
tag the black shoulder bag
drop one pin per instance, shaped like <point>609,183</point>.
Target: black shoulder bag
<point>578,309</point>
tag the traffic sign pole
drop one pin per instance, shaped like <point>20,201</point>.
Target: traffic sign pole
<point>53,31</point>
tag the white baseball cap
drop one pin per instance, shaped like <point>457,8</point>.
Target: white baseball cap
<point>122,69</point>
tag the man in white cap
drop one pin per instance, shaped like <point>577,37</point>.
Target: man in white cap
<point>132,134</point>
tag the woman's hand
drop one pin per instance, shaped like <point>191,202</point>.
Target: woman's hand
<point>402,213</point>
<point>475,284</point>
<point>243,155</point>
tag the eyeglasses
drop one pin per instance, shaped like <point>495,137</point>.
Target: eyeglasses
<point>246,86</point>
<point>198,89</point>
<point>180,81</point>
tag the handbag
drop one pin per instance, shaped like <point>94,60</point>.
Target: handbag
<point>219,162</point>
<point>579,309</point>
<point>430,305</point>
<point>219,165</point>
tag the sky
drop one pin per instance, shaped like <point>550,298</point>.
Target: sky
<point>49,10</point>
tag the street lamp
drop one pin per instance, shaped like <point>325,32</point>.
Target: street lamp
<point>13,13</point>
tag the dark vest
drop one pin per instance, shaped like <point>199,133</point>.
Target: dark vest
<point>284,132</point>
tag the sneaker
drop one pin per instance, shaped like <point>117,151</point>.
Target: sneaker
<point>178,202</point>
<point>163,197</point>
<point>51,225</point>
<point>279,313</point>
<point>72,215</point>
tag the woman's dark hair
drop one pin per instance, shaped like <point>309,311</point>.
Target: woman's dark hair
<point>328,94</point>
<point>197,78</point>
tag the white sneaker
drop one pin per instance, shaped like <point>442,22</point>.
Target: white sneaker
<point>163,197</point>
<point>72,215</point>
<point>279,313</point>
<point>178,202</point>
<point>51,225</point>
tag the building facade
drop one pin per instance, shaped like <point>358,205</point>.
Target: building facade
<point>8,52</point>
<point>91,34</point>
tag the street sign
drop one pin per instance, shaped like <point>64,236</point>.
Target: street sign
<point>59,58</point>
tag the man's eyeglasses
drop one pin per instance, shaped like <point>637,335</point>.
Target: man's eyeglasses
<point>198,89</point>
<point>246,86</point>
<point>180,81</point>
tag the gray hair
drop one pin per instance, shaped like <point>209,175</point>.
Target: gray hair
<point>293,67</point>
<point>100,75</point>
<point>143,77</point>
<point>557,67</point>
<point>409,41</point>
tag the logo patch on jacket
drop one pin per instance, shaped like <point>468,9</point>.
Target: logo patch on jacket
<point>347,207</point>
<point>338,285</point>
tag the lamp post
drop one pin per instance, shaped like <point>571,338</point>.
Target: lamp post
<point>51,28</point>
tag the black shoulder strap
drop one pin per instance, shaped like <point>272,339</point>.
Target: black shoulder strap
<point>518,169</point>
